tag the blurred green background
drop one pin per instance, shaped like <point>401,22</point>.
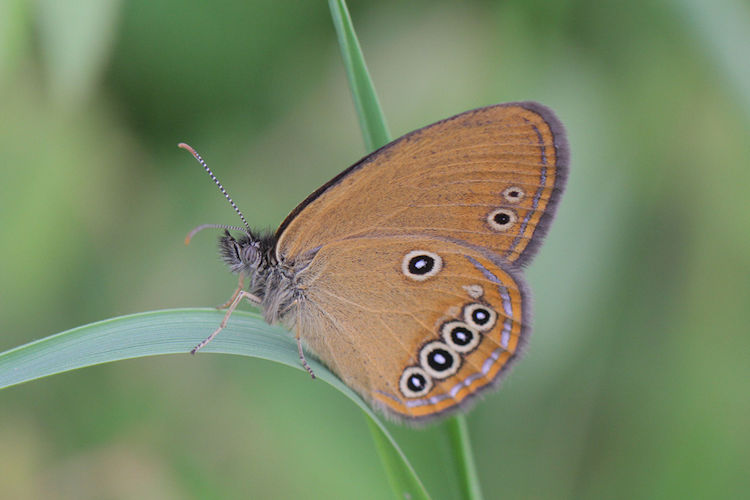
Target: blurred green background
<point>637,380</point>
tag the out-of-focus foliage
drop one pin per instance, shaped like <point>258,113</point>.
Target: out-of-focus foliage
<point>635,383</point>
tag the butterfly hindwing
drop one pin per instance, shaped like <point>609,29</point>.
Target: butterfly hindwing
<point>416,325</point>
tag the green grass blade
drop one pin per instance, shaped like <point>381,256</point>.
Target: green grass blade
<point>459,432</point>
<point>401,475</point>
<point>371,117</point>
<point>176,331</point>
<point>375,132</point>
<point>173,331</point>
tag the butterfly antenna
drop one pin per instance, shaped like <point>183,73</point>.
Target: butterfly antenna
<point>221,188</point>
<point>200,228</point>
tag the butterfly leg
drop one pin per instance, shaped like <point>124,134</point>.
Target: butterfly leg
<point>302,357</point>
<point>299,346</point>
<point>240,286</point>
<point>241,294</point>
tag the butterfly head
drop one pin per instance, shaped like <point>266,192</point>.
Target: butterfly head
<point>247,254</point>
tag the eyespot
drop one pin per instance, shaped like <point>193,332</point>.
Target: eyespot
<point>439,360</point>
<point>459,336</point>
<point>474,291</point>
<point>513,194</point>
<point>415,382</point>
<point>480,317</point>
<point>501,219</point>
<point>421,264</point>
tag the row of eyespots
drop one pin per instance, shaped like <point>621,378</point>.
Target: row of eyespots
<point>502,219</point>
<point>439,359</point>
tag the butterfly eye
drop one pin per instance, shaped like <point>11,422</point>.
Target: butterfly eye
<point>439,360</point>
<point>513,194</point>
<point>460,337</point>
<point>415,382</point>
<point>421,264</point>
<point>249,253</point>
<point>501,219</point>
<point>480,317</point>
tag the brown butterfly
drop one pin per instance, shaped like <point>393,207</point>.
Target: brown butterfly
<point>403,273</point>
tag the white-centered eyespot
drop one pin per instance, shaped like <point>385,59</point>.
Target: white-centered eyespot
<point>459,336</point>
<point>501,219</point>
<point>513,194</point>
<point>421,264</point>
<point>414,382</point>
<point>480,317</point>
<point>439,360</point>
<point>474,291</point>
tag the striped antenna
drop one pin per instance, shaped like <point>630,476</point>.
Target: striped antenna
<point>221,188</point>
<point>214,226</point>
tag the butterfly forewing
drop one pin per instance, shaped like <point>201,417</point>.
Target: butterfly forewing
<point>490,177</point>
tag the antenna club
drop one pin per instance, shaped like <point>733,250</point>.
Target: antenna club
<point>186,146</point>
<point>189,149</point>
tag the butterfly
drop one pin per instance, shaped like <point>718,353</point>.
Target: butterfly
<point>403,274</point>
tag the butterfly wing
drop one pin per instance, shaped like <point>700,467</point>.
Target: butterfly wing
<point>416,325</point>
<point>407,264</point>
<point>490,177</point>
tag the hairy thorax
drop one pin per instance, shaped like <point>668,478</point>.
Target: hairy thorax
<point>279,292</point>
